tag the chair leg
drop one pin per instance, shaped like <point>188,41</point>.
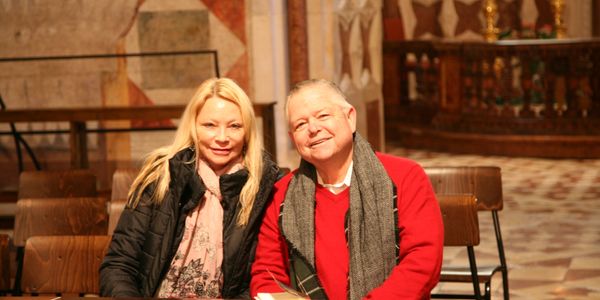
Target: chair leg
<point>474,276</point>
<point>505,284</point>
<point>488,290</point>
<point>501,255</point>
<point>17,287</point>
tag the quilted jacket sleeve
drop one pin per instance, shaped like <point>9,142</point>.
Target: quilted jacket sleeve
<point>119,271</point>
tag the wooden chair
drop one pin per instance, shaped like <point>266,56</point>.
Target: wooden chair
<point>486,184</point>
<point>56,216</point>
<point>121,183</point>
<point>54,184</point>
<point>63,264</point>
<point>59,216</point>
<point>461,229</point>
<point>4,264</point>
<point>115,209</point>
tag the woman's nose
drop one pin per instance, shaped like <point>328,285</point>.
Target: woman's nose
<point>222,135</point>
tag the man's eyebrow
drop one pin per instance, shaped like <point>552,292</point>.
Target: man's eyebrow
<point>294,121</point>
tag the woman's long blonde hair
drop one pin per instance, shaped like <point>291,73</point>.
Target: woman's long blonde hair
<point>156,166</point>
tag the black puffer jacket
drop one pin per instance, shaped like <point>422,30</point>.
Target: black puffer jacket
<point>147,237</point>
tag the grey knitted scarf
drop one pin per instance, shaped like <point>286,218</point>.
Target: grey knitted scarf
<point>371,217</point>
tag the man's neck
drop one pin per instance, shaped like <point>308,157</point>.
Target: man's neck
<point>333,172</point>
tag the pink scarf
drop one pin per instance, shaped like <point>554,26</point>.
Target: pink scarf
<point>195,271</point>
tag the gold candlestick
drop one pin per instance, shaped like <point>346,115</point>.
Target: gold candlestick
<point>559,25</point>
<point>490,11</point>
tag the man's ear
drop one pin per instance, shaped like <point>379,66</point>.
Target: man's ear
<point>351,117</point>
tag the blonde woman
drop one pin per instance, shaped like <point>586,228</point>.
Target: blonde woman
<point>192,218</point>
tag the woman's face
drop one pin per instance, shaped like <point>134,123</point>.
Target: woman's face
<point>220,133</point>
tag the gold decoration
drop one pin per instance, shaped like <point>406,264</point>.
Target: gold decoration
<point>490,11</point>
<point>559,25</point>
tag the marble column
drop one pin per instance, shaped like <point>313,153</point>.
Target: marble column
<point>297,41</point>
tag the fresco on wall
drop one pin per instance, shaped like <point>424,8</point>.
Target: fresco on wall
<point>86,27</point>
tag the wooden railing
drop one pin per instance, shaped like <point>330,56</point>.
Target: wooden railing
<point>78,117</point>
<point>508,97</point>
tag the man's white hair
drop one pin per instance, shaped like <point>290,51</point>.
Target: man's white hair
<point>341,101</point>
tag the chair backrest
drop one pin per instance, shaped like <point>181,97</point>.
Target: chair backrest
<point>4,263</point>
<point>461,224</point>
<point>121,182</point>
<point>63,264</point>
<point>54,184</point>
<point>115,209</point>
<point>485,182</point>
<point>60,216</point>
<point>461,228</point>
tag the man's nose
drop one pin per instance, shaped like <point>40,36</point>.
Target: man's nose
<point>313,126</point>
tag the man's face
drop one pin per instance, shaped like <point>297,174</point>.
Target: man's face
<point>319,127</point>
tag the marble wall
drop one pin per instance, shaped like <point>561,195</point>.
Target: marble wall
<point>87,27</point>
<point>344,45</point>
<point>269,67</point>
<point>464,20</point>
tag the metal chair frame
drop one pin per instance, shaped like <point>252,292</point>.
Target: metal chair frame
<point>485,183</point>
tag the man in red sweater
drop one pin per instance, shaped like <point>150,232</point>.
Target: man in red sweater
<point>349,223</point>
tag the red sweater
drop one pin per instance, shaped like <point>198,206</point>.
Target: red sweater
<point>421,239</point>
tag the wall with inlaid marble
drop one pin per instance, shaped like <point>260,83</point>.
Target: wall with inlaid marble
<point>344,39</point>
<point>464,20</point>
<point>84,27</point>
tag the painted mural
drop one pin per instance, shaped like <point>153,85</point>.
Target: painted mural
<point>60,30</point>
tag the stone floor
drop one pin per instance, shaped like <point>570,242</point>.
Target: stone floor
<point>550,225</point>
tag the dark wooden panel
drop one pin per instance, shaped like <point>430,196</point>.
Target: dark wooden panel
<point>82,114</point>
<point>267,113</point>
<point>596,18</point>
<point>90,114</point>
<point>7,222</point>
<point>4,263</point>
<point>548,146</point>
<point>63,264</point>
<point>54,184</point>
<point>477,102</point>
<point>461,225</point>
<point>60,216</point>
<point>77,118</point>
<point>485,182</point>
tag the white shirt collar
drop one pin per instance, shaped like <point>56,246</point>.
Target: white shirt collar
<point>337,187</point>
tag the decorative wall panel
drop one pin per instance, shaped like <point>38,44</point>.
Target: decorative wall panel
<point>463,19</point>
<point>360,37</point>
<point>58,28</point>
